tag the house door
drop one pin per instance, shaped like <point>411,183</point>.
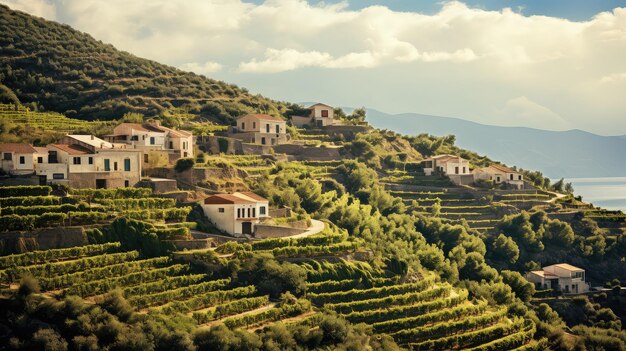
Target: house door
<point>43,180</point>
<point>246,228</point>
<point>101,183</point>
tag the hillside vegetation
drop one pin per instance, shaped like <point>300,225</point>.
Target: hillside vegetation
<point>50,66</point>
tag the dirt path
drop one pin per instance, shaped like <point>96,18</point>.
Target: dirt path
<point>254,311</point>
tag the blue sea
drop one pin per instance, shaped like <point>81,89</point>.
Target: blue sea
<point>608,193</point>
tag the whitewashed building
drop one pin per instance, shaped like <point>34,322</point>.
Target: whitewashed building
<point>17,159</point>
<point>236,213</point>
<point>561,277</point>
<point>152,136</point>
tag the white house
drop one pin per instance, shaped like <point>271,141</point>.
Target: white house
<point>17,159</point>
<point>446,165</point>
<point>154,137</point>
<point>500,174</point>
<point>236,213</point>
<point>85,161</point>
<point>261,129</point>
<point>561,277</point>
<point>321,115</point>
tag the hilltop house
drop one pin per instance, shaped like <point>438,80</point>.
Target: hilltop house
<point>261,129</point>
<point>446,165</point>
<point>560,277</point>
<point>236,213</point>
<point>500,174</point>
<point>321,115</point>
<point>85,161</point>
<point>153,137</point>
<point>18,159</point>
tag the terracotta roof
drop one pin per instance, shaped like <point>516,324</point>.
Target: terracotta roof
<point>73,149</point>
<point>17,148</point>
<point>318,104</point>
<point>140,127</point>
<point>41,149</point>
<point>264,117</point>
<point>176,133</point>
<point>502,168</point>
<point>543,274</point>
<point>566,266</point>
<point>250,195</point>
<point>225,199</point>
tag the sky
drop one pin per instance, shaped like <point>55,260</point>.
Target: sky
<point>558,64</point>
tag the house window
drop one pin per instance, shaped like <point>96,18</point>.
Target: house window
<point>8,156</point>
<point>52,157</point>
<point>456,170</point>
<point>22,160</point>
<point>511,176</point>
<point>519,177</point>
<point>263,140</point>
<point>277,128</point>
<point>107,165</point>
<point>249,213</point>
<point>90,160</point>
<point>324,113</point>
<point>76,160</point>
<point>115,166</point>
<point>243,125</point>
<point>152,141</point>
<point>253,125</point>
<point>267,128</point>
<point>262,210</point>
<point>127,164</point>
<point>464,170</point>
<point>220,210</point>
<point>126,183</point>
<point>238,213</point>
<point>171,144</point>
<point>145,158</point>
<point>58,176</point>
<point>39,159</point>
<point>134,138</point>
<point>253,212</point>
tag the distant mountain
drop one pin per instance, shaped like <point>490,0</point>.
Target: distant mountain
<point>54,67</point>
<point>568,154</point>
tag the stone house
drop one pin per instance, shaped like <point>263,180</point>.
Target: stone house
<point>446,165</point>
<point>500,174</point>
<point>321,115</point>
<point>261,129</point>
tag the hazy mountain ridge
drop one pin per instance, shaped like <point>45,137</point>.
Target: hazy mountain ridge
<point>569,154</point>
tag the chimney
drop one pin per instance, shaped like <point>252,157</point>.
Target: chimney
<point>92,137</point>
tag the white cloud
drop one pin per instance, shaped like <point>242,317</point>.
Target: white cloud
<point>521,111</point>
<point>205,68</point>
<point>461,61</point>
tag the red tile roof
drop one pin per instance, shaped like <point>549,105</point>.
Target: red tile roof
<point>264,117</point>
<point>73,149</point>
<point>17,148</point>
<point>225,199</point>
<point>252,195</point>
<point>318,104</point>
<point>503,168</point>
